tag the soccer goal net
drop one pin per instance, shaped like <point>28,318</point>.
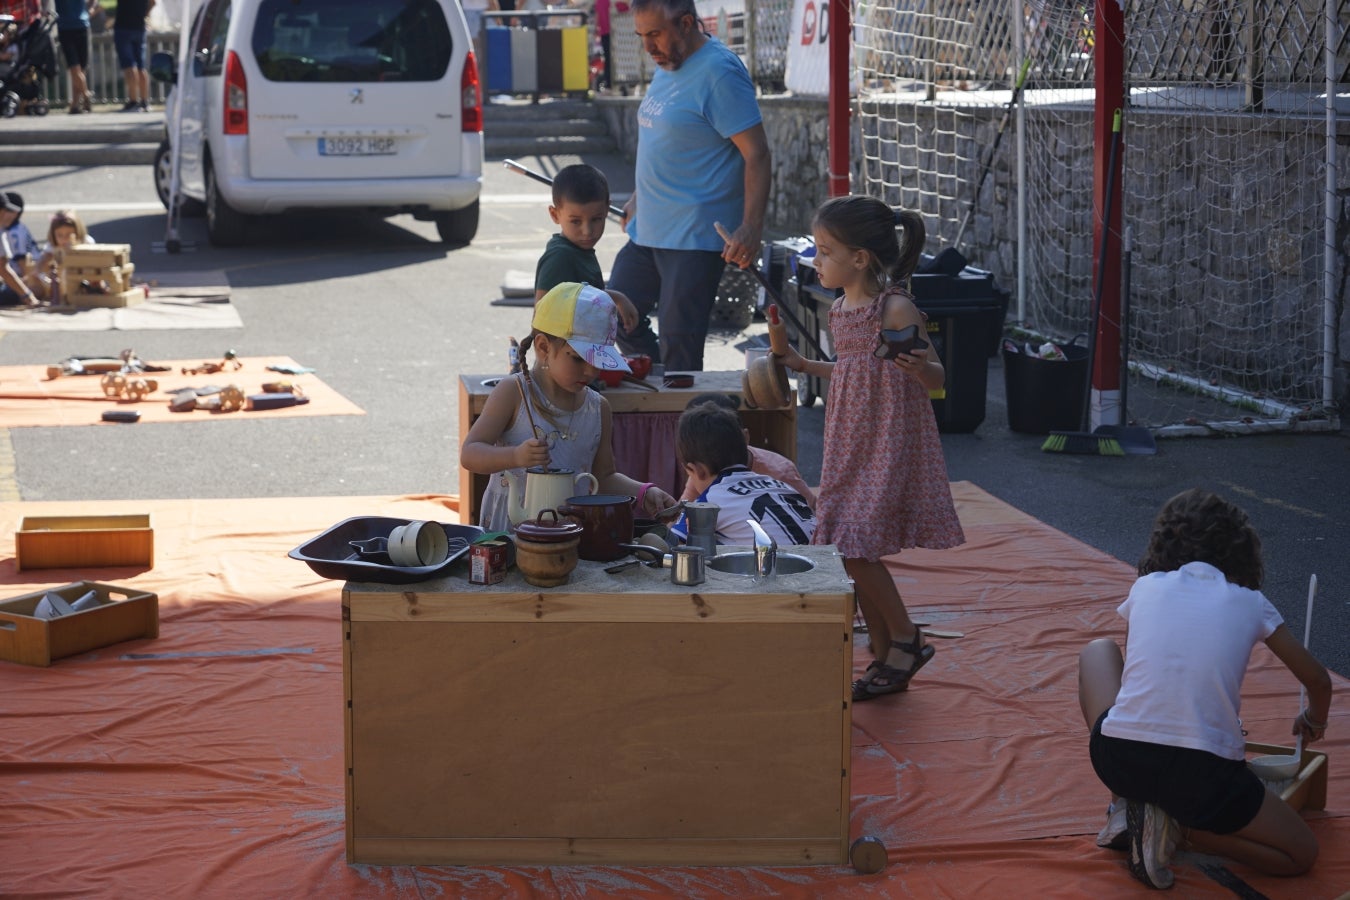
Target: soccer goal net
<point>1233,274</point>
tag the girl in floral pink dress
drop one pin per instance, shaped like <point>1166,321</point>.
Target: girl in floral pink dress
<point>883,485</point>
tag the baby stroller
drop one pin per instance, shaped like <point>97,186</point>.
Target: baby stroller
<point>33,59</point>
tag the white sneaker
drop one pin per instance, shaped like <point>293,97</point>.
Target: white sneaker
<point>1153,838</point>
<point>1115,834</point>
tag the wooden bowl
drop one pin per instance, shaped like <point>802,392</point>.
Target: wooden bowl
<point>546,564</point>
<point>767,381</point>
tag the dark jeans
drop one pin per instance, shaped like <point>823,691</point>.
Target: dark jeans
<point>681,285</point>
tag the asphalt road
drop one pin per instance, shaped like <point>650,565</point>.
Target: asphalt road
<point>389,317</point>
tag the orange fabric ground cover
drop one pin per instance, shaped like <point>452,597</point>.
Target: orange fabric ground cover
<point>28,398</point>
<point>208,762</point>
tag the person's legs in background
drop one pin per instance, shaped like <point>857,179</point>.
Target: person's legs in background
<point>688,282</point>
<point>609,63</point>
<point>130,44</point>
<point>75,48</point>
<point>635,274</point>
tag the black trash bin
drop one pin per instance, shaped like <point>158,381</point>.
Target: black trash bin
<point>1045,395</point>
<point>965,322</point>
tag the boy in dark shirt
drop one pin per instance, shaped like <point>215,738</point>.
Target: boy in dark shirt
<point>580,208</point>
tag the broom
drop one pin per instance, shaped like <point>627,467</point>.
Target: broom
<point>1085,442</point>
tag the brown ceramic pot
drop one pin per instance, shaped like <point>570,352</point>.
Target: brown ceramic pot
<point>606,521</point>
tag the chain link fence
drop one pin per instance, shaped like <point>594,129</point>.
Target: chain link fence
<point>1227,146</point>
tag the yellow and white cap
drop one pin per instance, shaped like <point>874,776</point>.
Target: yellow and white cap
<point>585,317</point>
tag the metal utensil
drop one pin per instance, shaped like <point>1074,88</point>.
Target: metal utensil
<point>773,295</point>
<point>1307,639</point>
<point>669,511</point>
<point>686,566</point>
<point>638,382</point>
<point>544,179</point>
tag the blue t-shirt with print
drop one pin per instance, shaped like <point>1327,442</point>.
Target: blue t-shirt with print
<point>689,173</point>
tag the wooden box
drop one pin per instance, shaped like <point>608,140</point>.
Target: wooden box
<point>96,255</point>
<point>37,642</point>
<point>117,277</point>
<point>61,542</point>
<point>772,429</point>
<point>114,299</point>
<point>643,744</point>
<point>1308,790</point>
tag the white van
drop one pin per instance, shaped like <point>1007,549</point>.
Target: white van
<point>367,105</point>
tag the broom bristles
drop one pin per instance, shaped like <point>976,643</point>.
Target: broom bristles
<point>1082,444</point>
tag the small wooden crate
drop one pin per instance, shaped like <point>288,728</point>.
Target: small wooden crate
<point>61,542</point>
<point>37,642</point>
<point>114,298</point>
<point>118,278</point>
<point>1307,790</point>
<point>95,255</point>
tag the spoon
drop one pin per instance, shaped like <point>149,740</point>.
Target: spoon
<point>669,511</point>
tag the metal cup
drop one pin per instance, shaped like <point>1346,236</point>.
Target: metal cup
<point>686,567</point>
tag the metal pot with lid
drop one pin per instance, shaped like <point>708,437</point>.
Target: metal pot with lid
<point>549,532</point>
<point>546,551</point>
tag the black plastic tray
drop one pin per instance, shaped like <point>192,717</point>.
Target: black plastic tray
<point>331,556</point>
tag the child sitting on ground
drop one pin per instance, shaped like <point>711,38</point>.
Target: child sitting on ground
<point>580,208</point>
<point>65,232</point>
<point>711,446</point>
<point>1165,734</point>
<point>762,460</point>
<point>563,423</point>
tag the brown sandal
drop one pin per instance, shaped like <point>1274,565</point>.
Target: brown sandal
<point>896,680</point>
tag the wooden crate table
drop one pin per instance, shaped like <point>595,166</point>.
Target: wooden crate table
<point>617,719</point>
<point>656,411</point>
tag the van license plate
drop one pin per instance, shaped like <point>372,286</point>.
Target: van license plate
<point>358,146</point>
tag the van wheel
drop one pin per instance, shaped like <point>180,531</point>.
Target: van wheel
<point>460,226</point>
<point>225,226</point>
<point>187,207</point>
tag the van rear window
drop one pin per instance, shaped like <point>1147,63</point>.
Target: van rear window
<point>351,40</point>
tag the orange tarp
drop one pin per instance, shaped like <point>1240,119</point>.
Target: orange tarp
<point>208,762</point>
<point>29,398</point>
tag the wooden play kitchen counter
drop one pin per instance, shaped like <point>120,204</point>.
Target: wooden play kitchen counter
<point>772,429</point>
<point>617,719</point>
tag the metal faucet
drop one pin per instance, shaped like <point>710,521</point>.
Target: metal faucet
<point>766,551</point>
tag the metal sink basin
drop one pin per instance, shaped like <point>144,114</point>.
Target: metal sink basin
<point>744,563</point>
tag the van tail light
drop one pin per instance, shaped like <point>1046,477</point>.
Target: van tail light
<point>471,98</point>
<point>236,96</point>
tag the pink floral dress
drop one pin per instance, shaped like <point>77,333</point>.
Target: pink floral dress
<point>883,483</point>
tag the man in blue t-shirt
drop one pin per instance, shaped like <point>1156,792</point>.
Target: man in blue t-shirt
<point>702,158</point>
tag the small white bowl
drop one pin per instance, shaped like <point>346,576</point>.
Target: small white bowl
<point>1274,768</point>
<point>418,544</point>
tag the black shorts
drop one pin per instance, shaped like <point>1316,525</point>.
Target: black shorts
<point>1195,787</point>
<point>74,46</point>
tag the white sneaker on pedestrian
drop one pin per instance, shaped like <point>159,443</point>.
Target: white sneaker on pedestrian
<point>1153,838</point>
<point>1115,834</point>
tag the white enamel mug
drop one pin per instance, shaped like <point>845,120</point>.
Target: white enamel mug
<point>418,544</point>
